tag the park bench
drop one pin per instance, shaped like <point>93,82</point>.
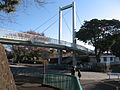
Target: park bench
<point>113,74</point>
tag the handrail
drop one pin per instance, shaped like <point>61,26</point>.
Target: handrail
<point>8,34</point>
<point>64,82</point>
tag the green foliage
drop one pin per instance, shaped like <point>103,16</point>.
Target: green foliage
<point>99,33</point>
<point>105,44</point>
<point>11,5</point>
<point>8,5</point>
<point>93,30</point>
<point>88,31</point>
<point>116,46</point>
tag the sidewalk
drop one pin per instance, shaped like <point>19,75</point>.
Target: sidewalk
<point>94,76</point>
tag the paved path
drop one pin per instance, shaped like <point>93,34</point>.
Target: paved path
<point>94,76</point>
<point>39,70</point>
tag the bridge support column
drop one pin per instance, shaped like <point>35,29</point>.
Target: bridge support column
<point>60,36</point>
<point>74,29</point>
<point>74,58</point>
<point>59,56</point>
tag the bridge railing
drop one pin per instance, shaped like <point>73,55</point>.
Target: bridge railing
<point>7,34</point>
<point>64,82</point>
<point>13,35</point>
<point>82,48</point>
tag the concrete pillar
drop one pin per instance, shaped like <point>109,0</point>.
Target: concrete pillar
<point>59,56</point>
<point>60,35</point>
<point>74,29</point>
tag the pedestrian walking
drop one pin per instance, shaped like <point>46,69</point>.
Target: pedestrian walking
<point>73,70</point>
<point>79,73</point>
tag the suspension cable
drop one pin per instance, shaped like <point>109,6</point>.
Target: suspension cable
<point>66,24</point>
<point>52,24</point>
<point>45,22</point>
<point>78,19</point>
<point>49,26</point>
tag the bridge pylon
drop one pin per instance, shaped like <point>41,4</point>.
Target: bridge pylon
<point>74,29</point>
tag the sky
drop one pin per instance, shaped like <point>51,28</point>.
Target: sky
<point>32,17</point>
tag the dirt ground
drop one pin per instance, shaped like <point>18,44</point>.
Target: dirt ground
<point>31,83</point>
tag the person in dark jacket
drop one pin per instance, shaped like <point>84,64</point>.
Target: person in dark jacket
<point>79,74</point>
<point>73,70</point>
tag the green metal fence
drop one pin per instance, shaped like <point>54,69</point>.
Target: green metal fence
<point>64,82</point>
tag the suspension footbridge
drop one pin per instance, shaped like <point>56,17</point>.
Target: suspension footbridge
<point>20,38</point>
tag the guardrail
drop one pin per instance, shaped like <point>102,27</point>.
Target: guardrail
<point>64,82</point>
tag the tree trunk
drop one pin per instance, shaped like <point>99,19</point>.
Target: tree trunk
<point>98,58</point>
<point>97,54</point>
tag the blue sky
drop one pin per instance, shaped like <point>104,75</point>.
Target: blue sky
<point>33,16</point>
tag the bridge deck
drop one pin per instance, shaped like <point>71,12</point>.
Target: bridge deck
<point>19,38</point>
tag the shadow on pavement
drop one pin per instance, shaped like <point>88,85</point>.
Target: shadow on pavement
<point>100,85</point>
<point>31,83</point>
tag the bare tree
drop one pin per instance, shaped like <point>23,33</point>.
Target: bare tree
<point>8,7</point>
